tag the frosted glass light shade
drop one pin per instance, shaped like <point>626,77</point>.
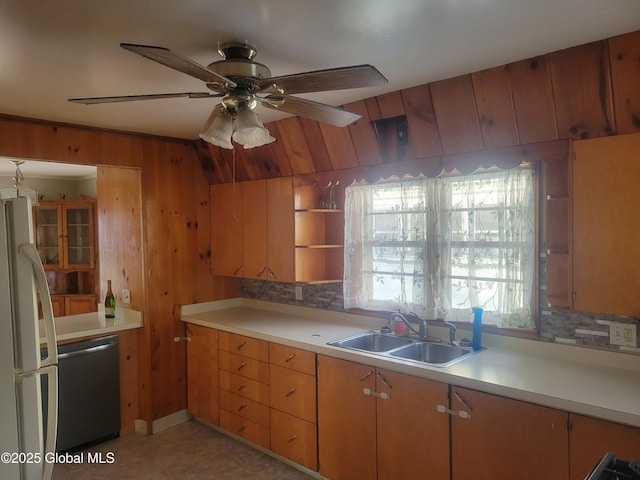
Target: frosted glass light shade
<point>250,132</point>
<point>220,130</point>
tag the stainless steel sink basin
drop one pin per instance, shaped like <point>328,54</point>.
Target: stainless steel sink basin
<point>372,342</point>
<point>440,354</point>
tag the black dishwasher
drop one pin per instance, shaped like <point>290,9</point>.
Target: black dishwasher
<point>88,393</point>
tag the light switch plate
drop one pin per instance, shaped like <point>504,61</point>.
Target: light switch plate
<point>126,296</point>
<point>624,334</point>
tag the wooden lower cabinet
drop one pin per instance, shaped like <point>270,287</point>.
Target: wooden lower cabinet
<point>202,373</point>
<point>507,439</point>
<point>374,423</point>
<point>244,387</point>
<point>590,439</point>
<point>292,373</point>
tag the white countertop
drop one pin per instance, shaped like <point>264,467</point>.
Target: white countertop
<point>93,324</point>
<point>592,382</point>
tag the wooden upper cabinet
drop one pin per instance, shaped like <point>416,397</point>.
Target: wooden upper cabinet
<point>280,229</point>
<point>495,107</point>
<point>226,229</point>
<point>532,93</point>
<point>65,235</point>
<point>606,202</point>
<point>624,52</point>
<point>582,91</point>
<point>254,229</point>
<point>456,113</point>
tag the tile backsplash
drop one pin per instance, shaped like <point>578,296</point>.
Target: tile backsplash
<point>556,325</point>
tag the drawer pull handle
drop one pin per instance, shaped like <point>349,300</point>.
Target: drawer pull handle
<point>366,375</point>
<point>242,365</point>
<point>290,357</point>
<point>242,406</point>
<point>242,428</point>
<point>242,386</point>
<point>290,392</point>
<point>291,439</point>
<point>244,342</point>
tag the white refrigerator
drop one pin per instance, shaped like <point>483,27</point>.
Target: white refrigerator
<point>26,445</point>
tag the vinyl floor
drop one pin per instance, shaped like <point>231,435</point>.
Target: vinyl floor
<point>188,451</point>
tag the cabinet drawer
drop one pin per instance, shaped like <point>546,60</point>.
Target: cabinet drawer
<point>293,392</point>
<point>294,439</point>
<point>245,387</point>
<point>247,346</point>
<point>252,431</point>
<point>244,407</point>
<point>293,358</point>
<point>244,366</point>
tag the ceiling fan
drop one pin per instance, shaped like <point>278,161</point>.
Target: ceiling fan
<point>243,84</point>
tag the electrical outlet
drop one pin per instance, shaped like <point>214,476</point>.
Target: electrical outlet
<point>126,296</point>
<point>624,334</point>
<point>298,290</point>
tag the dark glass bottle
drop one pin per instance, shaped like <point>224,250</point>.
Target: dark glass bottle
<point>109,302</point>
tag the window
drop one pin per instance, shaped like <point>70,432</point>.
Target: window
<point>439,246</point>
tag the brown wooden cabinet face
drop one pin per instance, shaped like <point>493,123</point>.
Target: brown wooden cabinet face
<point>202,373</point>
<point>591,439</point>
<point>506,439</point>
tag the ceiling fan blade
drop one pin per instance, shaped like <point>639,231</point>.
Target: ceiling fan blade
<point>331,79</point>
<point>177,62</point>
<point>310,109</point>
<point>132,98</point>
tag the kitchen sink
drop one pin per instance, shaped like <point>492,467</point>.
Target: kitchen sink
<point>433,353</point>
<point>405,348</point>
<point>372,342</point>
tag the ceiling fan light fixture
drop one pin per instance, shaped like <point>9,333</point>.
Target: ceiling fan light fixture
<point>249,130</point>
<point>219,131</point>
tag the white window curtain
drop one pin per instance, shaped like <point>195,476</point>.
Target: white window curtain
<point>439,246</point>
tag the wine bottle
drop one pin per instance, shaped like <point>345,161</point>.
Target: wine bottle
<point>109,302</point>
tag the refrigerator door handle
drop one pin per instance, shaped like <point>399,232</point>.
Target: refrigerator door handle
<point>52,419</point>
<point>30,251</point>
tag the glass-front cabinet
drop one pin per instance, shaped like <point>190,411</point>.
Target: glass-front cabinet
<point>64,235</point>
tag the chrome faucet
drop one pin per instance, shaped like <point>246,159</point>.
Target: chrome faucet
<point>422,324</point>
<point>452,331</point>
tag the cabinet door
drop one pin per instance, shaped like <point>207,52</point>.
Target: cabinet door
<point>590,439</point>
<point>507,439</point>
<point>346,420</point>
<point>76,304</point>
<point>226,229</point>
<point>202,373</point>
<point>280,230</point>
<point>78,235</point>
<point>48,233</point>
<point>606,202</point>
<point>413,438</point>
<point>254,229</point>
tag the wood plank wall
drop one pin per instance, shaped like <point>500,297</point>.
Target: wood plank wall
<point>582,92</point>
<point>164,260</point>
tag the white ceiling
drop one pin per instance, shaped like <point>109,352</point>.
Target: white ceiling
<point>38,169</point>
<point>58,49</point>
